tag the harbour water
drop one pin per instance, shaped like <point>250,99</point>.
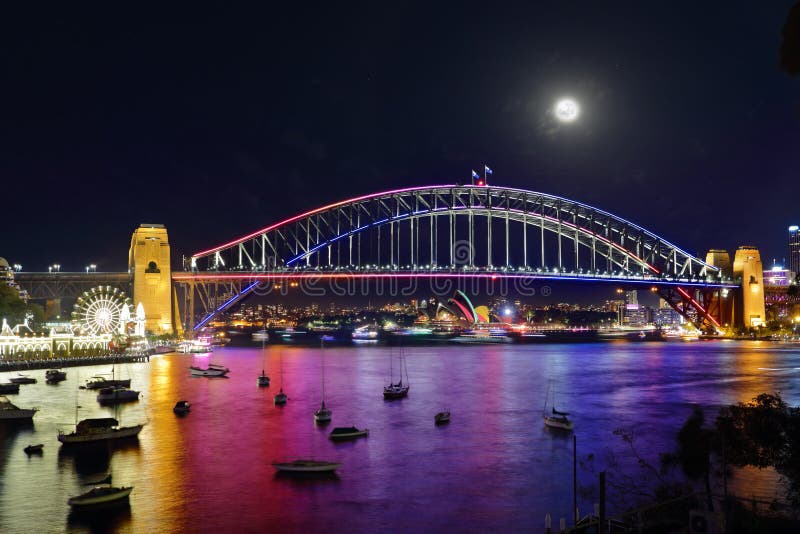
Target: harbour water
<point>493,467</point>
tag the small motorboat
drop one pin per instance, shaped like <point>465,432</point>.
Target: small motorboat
<point>181,407</point>
<point>10,411</point>
<point>99,495</point>
<point>213,369</point>
<point>22,379</point>
<point>53,376</point>
<point>306,466</point>
<point>442,417</point>
<point>347,432</point>
<point>34,449</point>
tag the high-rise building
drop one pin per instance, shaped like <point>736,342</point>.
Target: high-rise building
<point>794,249</point>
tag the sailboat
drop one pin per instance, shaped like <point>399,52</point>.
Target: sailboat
<point>281,398</point>
<point>116,393</point>
<point>555,419</point>
<point>263,379</point>
<point>97,429</point>
<point>396,390</point>
<point>323,415</point>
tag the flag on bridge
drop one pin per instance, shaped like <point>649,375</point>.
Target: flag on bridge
<point>475,175</point>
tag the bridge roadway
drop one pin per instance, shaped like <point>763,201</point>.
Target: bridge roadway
<point>59,285</point>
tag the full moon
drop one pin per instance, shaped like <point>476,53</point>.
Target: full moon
<point>567,110</point>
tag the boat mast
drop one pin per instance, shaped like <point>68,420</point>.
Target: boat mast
<point>322,345</point>
<point>405,364</point>
<point>546,395</point>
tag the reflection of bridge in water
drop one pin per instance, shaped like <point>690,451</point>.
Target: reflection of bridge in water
<point>454,232</point>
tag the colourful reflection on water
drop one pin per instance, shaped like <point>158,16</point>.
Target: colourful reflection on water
<point>494,466</point>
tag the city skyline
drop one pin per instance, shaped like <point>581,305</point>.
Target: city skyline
<point>255,126</point>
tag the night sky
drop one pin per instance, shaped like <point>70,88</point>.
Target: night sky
<point>226,121</point>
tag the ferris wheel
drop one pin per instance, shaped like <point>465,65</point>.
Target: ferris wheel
<point>98,311</point>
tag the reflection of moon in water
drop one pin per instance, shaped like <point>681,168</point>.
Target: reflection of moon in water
<point>567,110</point>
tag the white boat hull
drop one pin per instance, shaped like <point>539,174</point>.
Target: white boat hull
<point>196,371</point>
<point>557,423</point>
<point>117,433</point>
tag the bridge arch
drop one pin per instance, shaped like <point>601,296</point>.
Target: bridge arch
<point>458,229</point>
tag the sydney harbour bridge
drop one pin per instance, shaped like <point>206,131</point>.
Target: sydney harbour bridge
<point>449,232</point>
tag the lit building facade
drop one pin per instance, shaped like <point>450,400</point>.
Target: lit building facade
<point>747,266</point>
<point>149,262</point>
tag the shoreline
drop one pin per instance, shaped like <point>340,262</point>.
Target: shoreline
<point>52,363</point>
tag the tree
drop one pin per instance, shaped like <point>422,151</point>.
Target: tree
<point>764,432</point>
<point>12,307</point>
<point>693,455</point>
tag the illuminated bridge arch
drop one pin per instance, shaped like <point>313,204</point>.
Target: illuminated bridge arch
<point>458,229</point>
<point>455,231</point>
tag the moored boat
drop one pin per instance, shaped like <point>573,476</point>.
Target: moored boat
<point>99,495</point>
<point>10,411</point>
<point>182,407</point>
<point>9,388</point>
<point>98,429</point>
<point>34,449</point>
<point>55,375</point>
<point>99,382</point>
<point>115,394</point>
<point>213,369</point>
<point>262,380</point>
<point>306,466</point>
<point>281,398</point>
<point>442,417</point>
<point>22,379</point>
<point>195,346</point>
<point>396,390</point>
<point>323,414</point>
<point>558,420</point>
<point>347,432</point>
<point>555,418</point>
